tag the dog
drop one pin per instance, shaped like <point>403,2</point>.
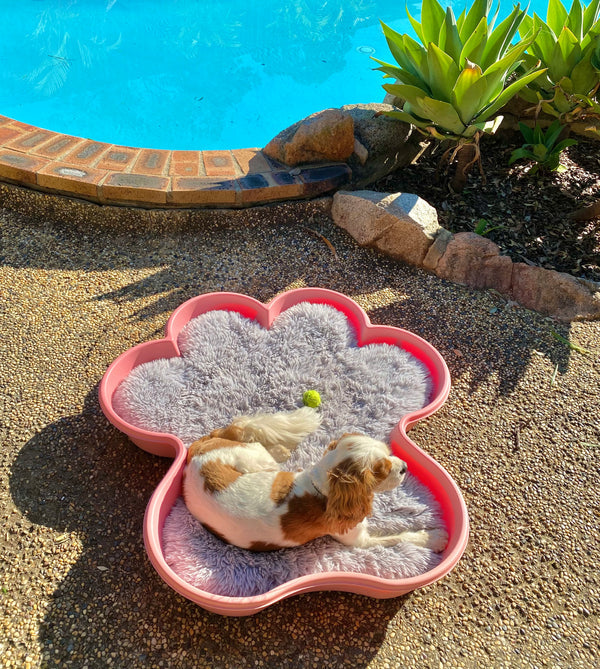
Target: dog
<point>234,485</point>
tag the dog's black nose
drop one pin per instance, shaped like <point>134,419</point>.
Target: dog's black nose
<point>403,467</point>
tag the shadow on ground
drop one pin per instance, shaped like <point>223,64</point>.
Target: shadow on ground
<point>478,332</point>
<point>63,478</point>
<point>79,475</point>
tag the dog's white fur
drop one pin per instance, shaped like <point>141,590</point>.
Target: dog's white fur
<point>234,485</point>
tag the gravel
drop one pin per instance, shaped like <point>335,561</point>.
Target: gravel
<point>519,434</point>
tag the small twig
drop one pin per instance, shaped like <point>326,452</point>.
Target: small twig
<point>517,438</point>
<point>324,239</point>
<point>553,379</point>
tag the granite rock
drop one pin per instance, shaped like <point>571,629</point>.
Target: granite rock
<point>476,262</point>
<point>389,144</point>
<point>401,225</point>
<point>327,136</point>
<point>556,294</point>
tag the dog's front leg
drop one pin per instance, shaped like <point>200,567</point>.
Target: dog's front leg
<point>436,540</point>
<point>358,536</point>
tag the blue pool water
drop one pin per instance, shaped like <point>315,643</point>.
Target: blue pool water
<point>188,74</point>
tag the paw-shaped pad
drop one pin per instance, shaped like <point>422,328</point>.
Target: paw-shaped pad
<point>226,354</point>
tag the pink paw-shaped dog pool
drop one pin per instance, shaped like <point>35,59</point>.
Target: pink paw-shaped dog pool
<point>226,354</point>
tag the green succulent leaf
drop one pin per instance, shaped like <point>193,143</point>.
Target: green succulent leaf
<point>568,45</point>
<point>441,113</point>
<point>488,127</point>
<point>398,73</point>
<point>590,15</point>
<point>552,133</point>
<point>469,93</point>
<point>416,27</point>
<point>575,20</point>
<point>432,17</point>
<point>564,144</point>
<point>474,46</point>
<point>479,10</point>
<point>407,118</point>
<point>501,37</point>
<point>527,133</point>
<point>396,46</point>
<point>510,91</point>
<point>541,146</point>
<point>519,154</point>
<point>449,39</point>
<point>443,73</point>
<point>556,17</point>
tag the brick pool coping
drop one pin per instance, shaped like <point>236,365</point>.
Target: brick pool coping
<point>124,175</point>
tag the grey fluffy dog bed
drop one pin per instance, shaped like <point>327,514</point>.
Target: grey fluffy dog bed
<point>230,366</point>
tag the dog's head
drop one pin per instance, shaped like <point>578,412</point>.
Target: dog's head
<point>358,466</point>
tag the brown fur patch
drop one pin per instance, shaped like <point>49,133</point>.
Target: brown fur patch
<point>350,498</point>
<point>305,519</point>
<point>231,432</point>
<point>282,486</point>
<point>382,469</point>
<point>218,476</point>
<point>332,445</point>
<point>263,546</point>
<point>207,444</point>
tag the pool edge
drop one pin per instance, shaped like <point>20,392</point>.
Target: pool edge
<point>110,174</point>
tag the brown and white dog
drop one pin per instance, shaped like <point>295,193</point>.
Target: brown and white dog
<point>234,486</point>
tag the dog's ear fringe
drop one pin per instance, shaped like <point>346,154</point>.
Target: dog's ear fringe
<point>350,497</point>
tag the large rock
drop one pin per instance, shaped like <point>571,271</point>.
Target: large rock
<point>554,293</point>
<point>327,136</point>
<point>383,145</point>
<point>475,261</point>
<point>401,225</point>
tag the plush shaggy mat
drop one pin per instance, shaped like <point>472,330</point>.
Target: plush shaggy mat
<point>230,366</point>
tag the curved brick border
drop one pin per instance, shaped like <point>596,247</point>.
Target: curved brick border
<point>123,175</point>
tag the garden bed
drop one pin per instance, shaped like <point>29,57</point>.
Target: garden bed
<point>527,215</point>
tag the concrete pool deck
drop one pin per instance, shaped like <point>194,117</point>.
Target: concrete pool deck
<point>519,434</point>
<point>123,175</point>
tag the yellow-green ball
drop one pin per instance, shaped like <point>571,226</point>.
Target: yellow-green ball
<point>311,398</point>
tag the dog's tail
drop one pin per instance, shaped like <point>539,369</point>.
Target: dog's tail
<point>285,428</point>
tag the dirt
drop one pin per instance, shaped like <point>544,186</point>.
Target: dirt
<point>526,214</point>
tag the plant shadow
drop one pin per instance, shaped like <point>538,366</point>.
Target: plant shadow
<point>477,332</point>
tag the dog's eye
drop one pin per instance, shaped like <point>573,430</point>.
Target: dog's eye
<point>382,468</point>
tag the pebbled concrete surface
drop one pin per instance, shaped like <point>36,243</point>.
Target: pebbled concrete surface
<point>519,434</point>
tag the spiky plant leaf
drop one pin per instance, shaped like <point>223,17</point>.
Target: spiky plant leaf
<point>449,39</point>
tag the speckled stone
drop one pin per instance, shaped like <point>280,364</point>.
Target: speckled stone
<point>519,434</point>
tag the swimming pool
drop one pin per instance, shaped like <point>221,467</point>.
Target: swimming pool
<point>186,74</point>
<point>189,74</point>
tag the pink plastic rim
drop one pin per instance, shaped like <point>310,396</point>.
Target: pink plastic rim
<point>420,464</point>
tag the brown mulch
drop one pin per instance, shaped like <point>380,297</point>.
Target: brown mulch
<point>526,215</point>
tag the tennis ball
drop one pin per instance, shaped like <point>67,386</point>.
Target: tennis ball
<point>311,398</point>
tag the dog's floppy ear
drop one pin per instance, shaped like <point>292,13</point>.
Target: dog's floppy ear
<point>350,497</point>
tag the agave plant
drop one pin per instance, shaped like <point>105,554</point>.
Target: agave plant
<point>542,147</point>
<point>454,82</point>
<point>568,46</point>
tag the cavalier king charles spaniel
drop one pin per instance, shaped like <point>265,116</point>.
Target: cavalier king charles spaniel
<point>233,484</point>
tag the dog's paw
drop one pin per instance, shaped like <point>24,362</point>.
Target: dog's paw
<point>435,540</point>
